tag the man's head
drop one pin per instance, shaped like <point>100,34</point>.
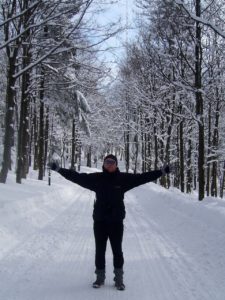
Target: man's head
<point>110,163</point>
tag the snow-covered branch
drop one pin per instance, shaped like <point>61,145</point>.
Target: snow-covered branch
<point>58,45</point>
<point>33,6</point>
<point>31,27</point>
<point>201,20</point>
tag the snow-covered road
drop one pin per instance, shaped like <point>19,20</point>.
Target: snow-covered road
<point>174,246</point>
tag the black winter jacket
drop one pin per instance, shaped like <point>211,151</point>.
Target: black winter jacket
<point>109,189</point>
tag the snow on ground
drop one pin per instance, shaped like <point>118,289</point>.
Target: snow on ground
<point>174,245</point>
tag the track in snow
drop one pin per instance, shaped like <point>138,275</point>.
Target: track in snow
<point>57,262</point>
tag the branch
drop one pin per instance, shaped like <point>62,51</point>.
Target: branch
<point>200,20</point>
<point>21,14</point>
<point>31,27</point>
<point>56,47</point>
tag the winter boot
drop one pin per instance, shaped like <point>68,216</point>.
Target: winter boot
<point>119,279</point>
<point>100,280</point>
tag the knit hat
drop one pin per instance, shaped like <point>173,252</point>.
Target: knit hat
<point>111,156</point>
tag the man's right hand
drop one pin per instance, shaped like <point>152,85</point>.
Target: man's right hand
<point>54,165</point>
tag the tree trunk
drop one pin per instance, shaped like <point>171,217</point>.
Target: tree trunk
<point>181,152</point>
<point>209,151</point>
<point>73,145</point>
<point>11,53</point>
<point>41,131</point>
<point>136,152</point>
<point>127,148</point>
<point>89,157</point>
<point>170,121</point>
<point>162,152</point>
<point>145,151</point>
<point>142,147</point>
<point>215,143</point>
<point>189,165</point>
<point>31,137</point>
<point>149,153</point>
<point>23,134</point>
<point>35,128</point>
<point>155,143</point>
<point>181,157</point>
<point>79,156</point>
<point>199,105</point>
<point>9,111</point>
<point>222,181</point>
<point>46,149</point>
<point>177,163</point>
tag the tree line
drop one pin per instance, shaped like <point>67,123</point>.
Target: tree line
<point>171,93</point>
<point>49,63</point>
<point>166,104</point>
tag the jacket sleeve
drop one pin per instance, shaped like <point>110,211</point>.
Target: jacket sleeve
<point>88,181</point>
<point>133,180</point>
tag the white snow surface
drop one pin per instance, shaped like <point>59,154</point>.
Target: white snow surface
<point>174,245</point>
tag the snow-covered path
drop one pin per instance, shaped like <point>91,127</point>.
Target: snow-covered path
<point>173,245</point>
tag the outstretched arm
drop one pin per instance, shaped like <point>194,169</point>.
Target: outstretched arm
<point>133,180</point>
<point>85,180</point>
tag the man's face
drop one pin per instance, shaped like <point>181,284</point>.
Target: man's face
<point>110,165</point>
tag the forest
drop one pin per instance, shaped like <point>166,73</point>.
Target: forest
<point>58,99</point>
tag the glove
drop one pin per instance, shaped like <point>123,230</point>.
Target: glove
<point>165,170</point>
<point>54,165</point>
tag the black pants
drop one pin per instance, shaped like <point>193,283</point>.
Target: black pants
<point>114,232</point>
